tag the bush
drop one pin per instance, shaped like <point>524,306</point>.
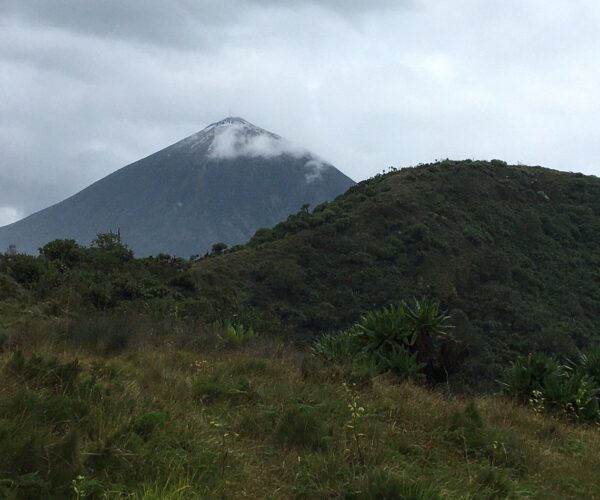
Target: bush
<point>67,252</point>
<point>25,269</point>
<point>339,346</point>
<point>235,335</point>
<point>528,374</point>
<point>401,363</point>
<point>399,338</point>
<point>571,389</point>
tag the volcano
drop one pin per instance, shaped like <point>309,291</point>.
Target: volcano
<point>218,185</point>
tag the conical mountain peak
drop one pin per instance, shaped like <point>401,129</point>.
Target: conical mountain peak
<point>235,137</point>
<point>218,185</point>
<point>233,120</point>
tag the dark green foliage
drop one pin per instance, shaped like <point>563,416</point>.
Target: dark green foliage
<point>339,346</point>
<point>400,362</point>
<point>235,334</point>
<point>522,267</point>
<point>400,326</point>
<point>571,389</point>
<point>399,338</point>
<point>67,252</point>
<point>529,374</point>
<point>105,277</point>
<point>24,269</point>
<point>55,409</point>
<point>588,363</point>
<point>218,248</point>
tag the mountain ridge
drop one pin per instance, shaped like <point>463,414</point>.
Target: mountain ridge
<point>176,201</point>
<point>510,251</point>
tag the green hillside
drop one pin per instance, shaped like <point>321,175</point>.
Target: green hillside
<point>174,378</point>
<point>510,251</point>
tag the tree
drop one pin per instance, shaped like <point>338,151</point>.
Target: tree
<point>66,251</point>
<point>108,241</point>
<point>219,248</point>
<point>111,244</point>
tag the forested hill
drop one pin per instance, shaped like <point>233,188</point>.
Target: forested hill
<point>512,252</point>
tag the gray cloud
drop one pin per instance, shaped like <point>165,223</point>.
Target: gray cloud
<point>88,87</point>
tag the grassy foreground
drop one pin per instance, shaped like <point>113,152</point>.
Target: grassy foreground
<point>264,421</point>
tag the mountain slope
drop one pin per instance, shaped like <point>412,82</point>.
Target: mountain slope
<point>219,185</point>
<point>510,251</point>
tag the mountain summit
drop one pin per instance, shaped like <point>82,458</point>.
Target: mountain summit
<point>218,185</point>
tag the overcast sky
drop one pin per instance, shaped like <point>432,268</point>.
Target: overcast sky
<point>87,87</point>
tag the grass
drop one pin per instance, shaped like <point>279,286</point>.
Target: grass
<point>178,424</point>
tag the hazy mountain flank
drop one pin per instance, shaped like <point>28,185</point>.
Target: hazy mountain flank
<point>218,185</point>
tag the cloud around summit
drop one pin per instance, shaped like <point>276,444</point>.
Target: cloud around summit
<point>88,87</point>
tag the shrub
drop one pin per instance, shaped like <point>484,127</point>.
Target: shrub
<point>67,252</point>
<point>401,363</point>
<point>398,338</point>
<point>528,374</point>
<point>571,389</point>
<point>218,248</point>
<point>25,269</point>
<point>339,346</point>
<point>236,335</point>
<point>589,363</point>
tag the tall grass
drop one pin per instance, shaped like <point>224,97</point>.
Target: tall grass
<point>253,422</point>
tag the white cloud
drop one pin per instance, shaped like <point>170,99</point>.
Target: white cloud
<point>8,215</point>
<point>88,89</point>
<point>315,169</point>
<point>241,139</point>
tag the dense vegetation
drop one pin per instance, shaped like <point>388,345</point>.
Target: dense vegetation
<point>570,389</point>
<point>511,252</point>
<point>296,366</point>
